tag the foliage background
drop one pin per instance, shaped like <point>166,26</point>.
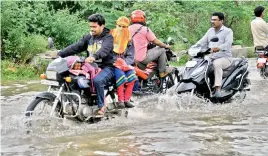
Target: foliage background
<point>26,25</point>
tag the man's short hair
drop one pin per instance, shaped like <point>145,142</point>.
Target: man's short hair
<point>258,11</point>
<point>97,18</point>
<point>219,14</point>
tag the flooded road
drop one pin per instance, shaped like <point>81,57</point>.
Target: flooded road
<point>158,125</point>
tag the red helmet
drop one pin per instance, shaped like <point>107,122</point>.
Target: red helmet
<point>137,16</point>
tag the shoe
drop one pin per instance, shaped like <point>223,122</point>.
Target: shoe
<point>217,94</point>
<point>163,74</point>
<point>120,105</point>
<point>128,104</point>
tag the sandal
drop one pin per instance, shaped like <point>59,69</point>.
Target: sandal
<point>100,113</point>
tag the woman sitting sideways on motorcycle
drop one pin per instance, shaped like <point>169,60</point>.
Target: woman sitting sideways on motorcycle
<point>124,72</point>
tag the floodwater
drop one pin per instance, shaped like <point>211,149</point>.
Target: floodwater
<point>158,125</point>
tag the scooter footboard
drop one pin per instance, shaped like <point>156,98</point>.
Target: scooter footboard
<point>185,87</point>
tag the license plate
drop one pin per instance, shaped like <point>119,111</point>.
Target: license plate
<point>190,64</point>
<point>50,83</point>
<point>261,60</point>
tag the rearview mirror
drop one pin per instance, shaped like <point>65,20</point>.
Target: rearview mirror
<point>170,41</point>
<point>185,40</point>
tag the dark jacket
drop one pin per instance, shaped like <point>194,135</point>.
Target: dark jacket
<point>100,47</point>
<point>128,56</point>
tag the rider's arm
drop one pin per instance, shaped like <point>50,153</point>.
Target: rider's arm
<point>160,44</point>
<point>75,48</point>
<point>204,40</point>
<point>129,55</point>
<point>152,38</point>
<point>106,48</point>
<point>228,41</point>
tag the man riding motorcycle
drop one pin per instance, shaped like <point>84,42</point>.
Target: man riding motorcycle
<point>221,52</point>
<point>99,45</point>
<point>142,36</point>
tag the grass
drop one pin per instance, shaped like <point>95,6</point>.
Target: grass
<point>251,53</point>
<point>15,71</point>
<point>182,60</point>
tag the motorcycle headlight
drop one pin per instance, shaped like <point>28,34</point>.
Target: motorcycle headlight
<point>51,75</point>
<point>198,71</point>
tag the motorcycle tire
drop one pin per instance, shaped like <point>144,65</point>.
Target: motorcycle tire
<point>35,102</point>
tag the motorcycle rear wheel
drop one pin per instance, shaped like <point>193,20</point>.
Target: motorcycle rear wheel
<point>169,82</point>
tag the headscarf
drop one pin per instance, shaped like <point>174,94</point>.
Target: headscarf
<point>121,35</point>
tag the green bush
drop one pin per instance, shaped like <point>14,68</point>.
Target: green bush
<point>25,27</point>
<point>23,48</point>
<point>19,71</point>
<point>23,22</point>
<point>33,44</point>
<point>14,71</point>
<point>251,53</point>
<point>64,28</point>
<point>163,23</point>
<point>182,60</point>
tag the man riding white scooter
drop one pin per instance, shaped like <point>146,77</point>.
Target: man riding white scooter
<point>221,54</point>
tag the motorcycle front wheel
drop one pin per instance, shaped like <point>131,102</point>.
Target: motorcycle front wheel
<point>42,107</point>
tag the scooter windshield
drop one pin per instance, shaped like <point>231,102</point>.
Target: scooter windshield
<point>194,50</point>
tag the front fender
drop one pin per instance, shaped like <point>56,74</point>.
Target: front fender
<point>46,95</point>
<point>184,87</point>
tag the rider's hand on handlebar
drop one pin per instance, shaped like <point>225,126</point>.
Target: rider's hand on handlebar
<point>90,59</point>
<point>214,50</point>
<point>168,46</point>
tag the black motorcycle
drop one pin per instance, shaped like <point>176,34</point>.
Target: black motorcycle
<point>70,95</point>
<point>198,76</point>
<point>149,81</point>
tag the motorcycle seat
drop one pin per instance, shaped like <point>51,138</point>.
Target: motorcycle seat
<point>111,83</point>
<point>232,67</point>
<point>141,65</point>
<point>259,48</point>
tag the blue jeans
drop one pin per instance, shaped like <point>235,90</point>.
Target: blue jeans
<point>100,81</point>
